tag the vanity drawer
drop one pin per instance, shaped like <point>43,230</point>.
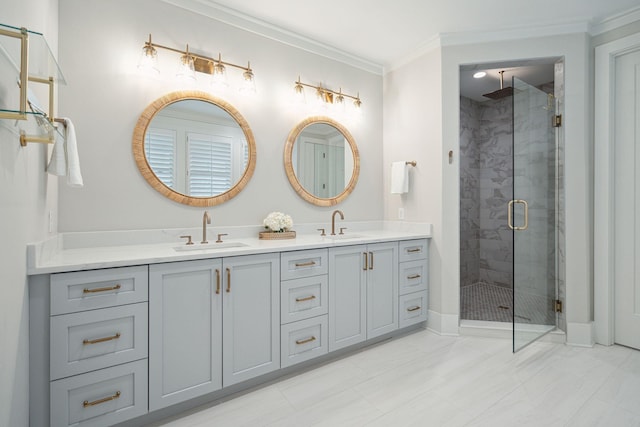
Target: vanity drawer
<point>297,264</point>
<point>100,398</point>
<point>303,340</point>
<point>412,250</point>
<point>87,290</point>
<point>90,340</point>
<point>413,277</point>
<point>303,298</point>
<point>413,308</point>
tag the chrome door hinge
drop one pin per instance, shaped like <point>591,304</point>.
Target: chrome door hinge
<point>557,306</point>
<point>557,121</point>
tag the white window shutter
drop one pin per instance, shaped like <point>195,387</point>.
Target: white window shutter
<point>160,150</point>
<point>209,165</point>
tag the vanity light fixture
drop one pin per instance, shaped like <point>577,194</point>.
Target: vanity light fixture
<point>148,62</point>
<point>186,67</point>
<point>326,96</point>
<point>191,62</point>
<point>248,80</point>
<point>219,75</point>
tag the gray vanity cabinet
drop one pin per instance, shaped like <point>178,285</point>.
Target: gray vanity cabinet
<point>363,293</point>
<point>185,331</point>
<point>212,323</point>
<point>251,317</point>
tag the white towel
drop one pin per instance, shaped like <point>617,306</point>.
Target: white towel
<point>399,178</point>
<point>64,159</point>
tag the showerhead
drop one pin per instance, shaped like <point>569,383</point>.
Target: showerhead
<point>503,92</point>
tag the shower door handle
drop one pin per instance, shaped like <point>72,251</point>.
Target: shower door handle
<point>510,215</point>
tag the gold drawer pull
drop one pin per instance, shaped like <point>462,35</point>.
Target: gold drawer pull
<point>414,308</point>
<point>310,339</point>
<point>99,340</point>
<point>415,276</point>
<point>366,261</point>
<point>414,250</point>
<point>109,288</point>
<point>306,264</point>
<point>217,281</point>
<point>309,298</point>
<point>228,280</point>
<point>86,403</point>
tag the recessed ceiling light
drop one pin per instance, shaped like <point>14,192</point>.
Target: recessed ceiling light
<point>479,75</point>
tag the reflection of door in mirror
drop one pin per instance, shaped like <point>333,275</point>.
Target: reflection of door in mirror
<point>319,160</point>
<point>196,148</point>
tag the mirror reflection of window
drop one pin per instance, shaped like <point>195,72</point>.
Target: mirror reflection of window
<point>196,148</point>
<point>160,150</point>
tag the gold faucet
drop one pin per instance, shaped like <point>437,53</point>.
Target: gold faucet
<point>333,220</point>
<point>206,219</point>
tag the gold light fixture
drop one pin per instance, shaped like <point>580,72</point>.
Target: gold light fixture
<point>248,80</point>
<point>186,67</point>
<point>191,62</point>
<point>326,96</point>
<point>148,62</point>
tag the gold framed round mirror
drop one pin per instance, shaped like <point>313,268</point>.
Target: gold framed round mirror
<point>194,148</point>
<point>321,161</point>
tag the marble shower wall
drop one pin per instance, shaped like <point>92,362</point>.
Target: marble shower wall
<point>470,112</point>
<point>486,185</point>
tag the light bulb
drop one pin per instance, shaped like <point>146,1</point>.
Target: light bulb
<point>248,85</point>
<point>219,76</point>
<point>186,67</point>
<point>148,62</point>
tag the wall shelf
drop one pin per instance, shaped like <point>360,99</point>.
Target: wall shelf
<point>25,58</point>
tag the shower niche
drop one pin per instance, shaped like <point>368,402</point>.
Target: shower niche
<point>511,195</point>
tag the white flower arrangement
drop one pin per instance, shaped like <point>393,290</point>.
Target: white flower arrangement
<point>278,222</point>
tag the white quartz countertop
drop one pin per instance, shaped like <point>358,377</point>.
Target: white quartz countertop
<point>86,251</point>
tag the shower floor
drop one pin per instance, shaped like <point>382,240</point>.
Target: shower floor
<point>482,301</point>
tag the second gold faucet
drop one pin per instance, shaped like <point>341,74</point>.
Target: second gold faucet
<point>206,219</point>
<point>333,221</point>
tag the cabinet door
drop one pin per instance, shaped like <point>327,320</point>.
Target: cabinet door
<point>382,289</point>
<point>251,336</point>
<point>347,296</point>
<point>185,331</point>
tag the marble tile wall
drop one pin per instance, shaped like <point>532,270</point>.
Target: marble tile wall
<point>469,191</point>
<point>486,171</point>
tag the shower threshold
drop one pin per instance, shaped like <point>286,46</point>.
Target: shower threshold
<point>503,330</point>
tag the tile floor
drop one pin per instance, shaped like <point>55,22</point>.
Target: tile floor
<point>424,379</point>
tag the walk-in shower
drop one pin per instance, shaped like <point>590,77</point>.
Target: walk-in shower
<point>510,197</point>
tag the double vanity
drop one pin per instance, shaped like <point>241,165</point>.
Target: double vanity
<point>118,330</point>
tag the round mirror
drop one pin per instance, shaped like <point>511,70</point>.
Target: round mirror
<point>321,161</point>
<point>194,148</point>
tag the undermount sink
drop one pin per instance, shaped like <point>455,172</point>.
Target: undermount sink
<point>209,246</point>
<point>345,236</point>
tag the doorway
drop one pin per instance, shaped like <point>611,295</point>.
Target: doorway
<point>617,193</point>
<point>510,196</point>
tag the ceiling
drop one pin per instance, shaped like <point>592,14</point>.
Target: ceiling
<point>385,32</point>
<point>536,72</point>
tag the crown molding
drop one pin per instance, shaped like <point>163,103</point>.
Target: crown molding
<point>265,29</point>
<point>616,21</point>
<point>521,32</point>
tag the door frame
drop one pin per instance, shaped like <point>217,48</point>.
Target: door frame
<point>603,209</point>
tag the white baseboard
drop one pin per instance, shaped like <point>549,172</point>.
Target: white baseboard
<point>443,324</point>
<point>580,334</point>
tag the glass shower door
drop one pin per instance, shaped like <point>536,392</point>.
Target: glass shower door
<point>532,214</point>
